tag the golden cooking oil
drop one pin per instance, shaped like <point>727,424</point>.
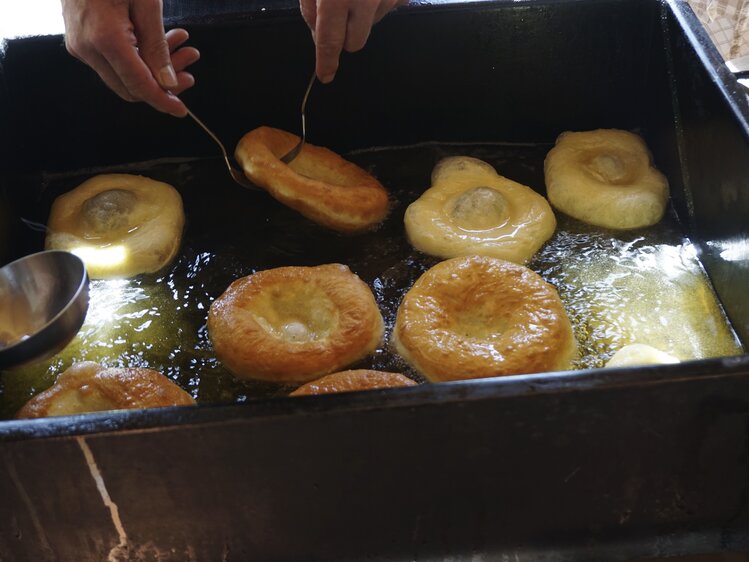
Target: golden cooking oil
<point>643,286</point>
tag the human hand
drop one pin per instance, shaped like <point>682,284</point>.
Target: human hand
<point>125,43</point>
<point>341,24</point>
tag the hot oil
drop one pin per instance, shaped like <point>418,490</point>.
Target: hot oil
<point>644,286</point>
<point>641,286</point>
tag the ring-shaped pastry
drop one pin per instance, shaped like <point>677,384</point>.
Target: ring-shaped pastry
<point>318,183</point>
<point>478,316</point>
<point>354,380</point>
<point>120,225</point>
<point>294,324</point>
<point>90,387</point>
<point>472,210</point>
<point>605,178</point>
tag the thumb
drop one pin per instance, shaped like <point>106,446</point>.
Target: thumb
<point>152,45</point>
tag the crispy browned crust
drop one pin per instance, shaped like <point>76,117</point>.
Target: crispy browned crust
<point>349,381</point>
<point>477,316</point>
<point>318,183</point>
<point>90,387</point>
<point>239,323</point>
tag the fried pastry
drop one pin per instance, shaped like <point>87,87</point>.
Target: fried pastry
<point>318,183</point>
<point>605,178</point>
<point>354,380</point>
<point>90,387</point>
<point>294,324</point>
<point>477,316</point>
<point>472,210</point>
<point>120,225</point>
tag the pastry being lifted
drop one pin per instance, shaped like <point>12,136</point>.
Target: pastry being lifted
<point>318,183</point>
<point>120,225</point>
<point>605,178</point>
<point>472,210</point>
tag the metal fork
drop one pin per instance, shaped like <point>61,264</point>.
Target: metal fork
<point>294,152</point>
<point>237,175</point>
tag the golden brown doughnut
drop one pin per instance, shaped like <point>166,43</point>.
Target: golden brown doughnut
<point>294,324</point>
<point>478,316</point>
<point>349,381</point>
<point>605,178</point>
<point>89,387</point>
<point>472,210</point>
<point>318,183</point>
<point>120,225</point>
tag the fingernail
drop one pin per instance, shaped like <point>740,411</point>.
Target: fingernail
<point>167,77</point>
<point>327,78</point>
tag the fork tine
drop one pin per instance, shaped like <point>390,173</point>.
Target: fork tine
<point>294,152</point>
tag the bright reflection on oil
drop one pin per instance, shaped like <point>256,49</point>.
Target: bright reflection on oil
<point>106,257</point>
<point>119,310</point>
<point>621,288</point>
<point>108,300</point>
<point>732,250</point>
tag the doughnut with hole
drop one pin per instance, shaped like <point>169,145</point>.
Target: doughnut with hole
<point>472,210</point>
<point>318,183</point>
<point>605,178</point>
<point>477,316</point>
<point>120,225</point>
<point>90,387</point>
<point>294,324</point>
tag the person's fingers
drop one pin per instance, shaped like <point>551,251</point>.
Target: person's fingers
<point>120,48</point>
<point>185,80</point>
<point>360,21</point>
<point>330,34</point>
<point>309,13</point>
<point>386,6</point>
<point>175,38</point>
<point>125,60</point>
<point>183,58</point>
<point>102,35</point>
<point>153,48</point>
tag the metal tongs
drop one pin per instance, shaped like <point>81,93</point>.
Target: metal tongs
<point>236,174</point>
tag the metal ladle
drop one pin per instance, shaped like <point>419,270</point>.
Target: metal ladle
<point>43,303</point>
<point>237,175</point>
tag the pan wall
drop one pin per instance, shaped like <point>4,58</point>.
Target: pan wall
<point>536,471</point>
<point>515,72</point>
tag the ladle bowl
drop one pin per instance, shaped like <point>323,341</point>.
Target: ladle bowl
<point>43,303</point>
